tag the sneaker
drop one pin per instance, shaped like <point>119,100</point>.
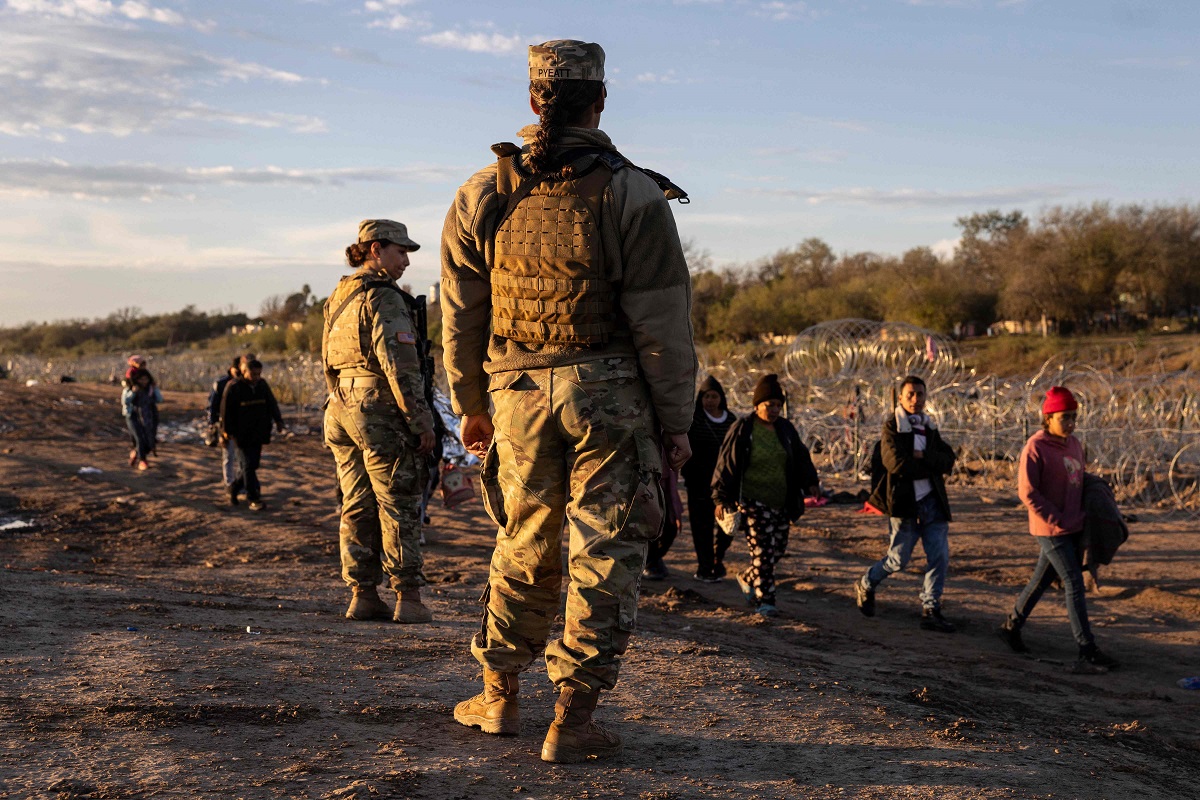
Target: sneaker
<point>767,610</point>
<point>1092,655</point>
<point>719,570</point>
<point>655,571</point>
<point>143,465</point>
<point>133,458</point>
<point>864,598</point>
<point>706,577</point>
<point>1085,667</point>
<point>1010,634</point>
<point>257,505</point>
<point>747,589</point>
<point>932,620</point>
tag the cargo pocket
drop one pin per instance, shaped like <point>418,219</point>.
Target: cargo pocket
<point>489,480</point>
<point>646,511</point>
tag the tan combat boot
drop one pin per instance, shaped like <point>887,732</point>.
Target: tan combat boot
<point>495,709</point>
<point>410,609</point>
<point>366,605</point>
<point>574,736</point>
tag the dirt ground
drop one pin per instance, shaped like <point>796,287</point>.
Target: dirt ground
<point>156,644</point>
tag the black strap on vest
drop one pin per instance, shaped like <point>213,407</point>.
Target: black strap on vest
<point>613,159</point>
<point>362,287</point>
<point>606,157</point>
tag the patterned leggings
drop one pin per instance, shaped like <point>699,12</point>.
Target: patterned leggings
<point>767,537</point>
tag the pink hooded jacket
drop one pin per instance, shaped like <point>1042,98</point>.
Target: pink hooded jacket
<point>1050,483</point>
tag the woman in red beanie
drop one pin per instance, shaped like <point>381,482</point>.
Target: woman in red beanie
<point>1050,483</point>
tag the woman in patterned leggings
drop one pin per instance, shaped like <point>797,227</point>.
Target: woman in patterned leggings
<point>763,471</point>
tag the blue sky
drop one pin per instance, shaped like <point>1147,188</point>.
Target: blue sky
<point>156,153</point>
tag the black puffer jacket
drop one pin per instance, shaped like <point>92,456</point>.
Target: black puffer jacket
<point>894,494</point>
<point>735,456</point>
<point>247,410</point>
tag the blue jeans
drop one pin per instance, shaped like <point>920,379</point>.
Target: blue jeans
<point>229,461</point>
<point>931,529</point>
<point>1059,555</point>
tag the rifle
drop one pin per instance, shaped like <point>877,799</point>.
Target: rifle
<point>425,354</point>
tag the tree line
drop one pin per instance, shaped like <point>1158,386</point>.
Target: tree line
<point>126,329</point>
<point>1084,268</point>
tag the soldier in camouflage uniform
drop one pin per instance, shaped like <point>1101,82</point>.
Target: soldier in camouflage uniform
<point>568,345</point>
<point>378,424</point>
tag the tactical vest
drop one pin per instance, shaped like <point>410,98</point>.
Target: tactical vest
<point>347,344</point>
<point>546,275</point>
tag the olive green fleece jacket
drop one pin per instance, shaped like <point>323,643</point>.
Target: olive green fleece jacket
<point>641,256</point>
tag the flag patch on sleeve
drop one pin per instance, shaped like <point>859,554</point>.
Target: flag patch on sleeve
<point>405,338</point>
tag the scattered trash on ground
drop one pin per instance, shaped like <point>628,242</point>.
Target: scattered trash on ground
<point>90,471</point>
<point>190,431</point>
<point>1189,683</point>
<point>13,524</point>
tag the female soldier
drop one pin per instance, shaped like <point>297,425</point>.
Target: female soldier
<point>377,423</point>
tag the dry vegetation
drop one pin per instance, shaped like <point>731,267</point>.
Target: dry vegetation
<point>153,644</point>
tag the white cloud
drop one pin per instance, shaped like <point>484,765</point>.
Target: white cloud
<point>247,71</point>
<point>36,178</point>
<point>658,77</point>
<point>945,248</point>
<point>785,11</point>
<point>97,11</point>
<point>913,197</point>
<point>397,22</point>
<point>384,5</point>
<point>496,44</point>
<point>134,10</point>
<point>389,18</point>
<point>59,76</point>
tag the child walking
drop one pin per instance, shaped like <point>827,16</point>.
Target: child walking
<point>139,405</point>
<point>1050,483</point>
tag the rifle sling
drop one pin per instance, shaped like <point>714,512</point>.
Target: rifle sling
<point>362,287</point>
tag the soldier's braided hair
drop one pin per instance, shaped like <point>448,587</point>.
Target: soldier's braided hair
<point>561,103</point>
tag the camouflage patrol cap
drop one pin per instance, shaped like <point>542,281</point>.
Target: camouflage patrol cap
<point>566,60</point>
<point>370,230</point>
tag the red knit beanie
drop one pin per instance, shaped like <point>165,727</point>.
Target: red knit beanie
<point>1059,398</point>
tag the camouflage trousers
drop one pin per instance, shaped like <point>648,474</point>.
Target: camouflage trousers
<point>382,477</point>
<point>574,447</point>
